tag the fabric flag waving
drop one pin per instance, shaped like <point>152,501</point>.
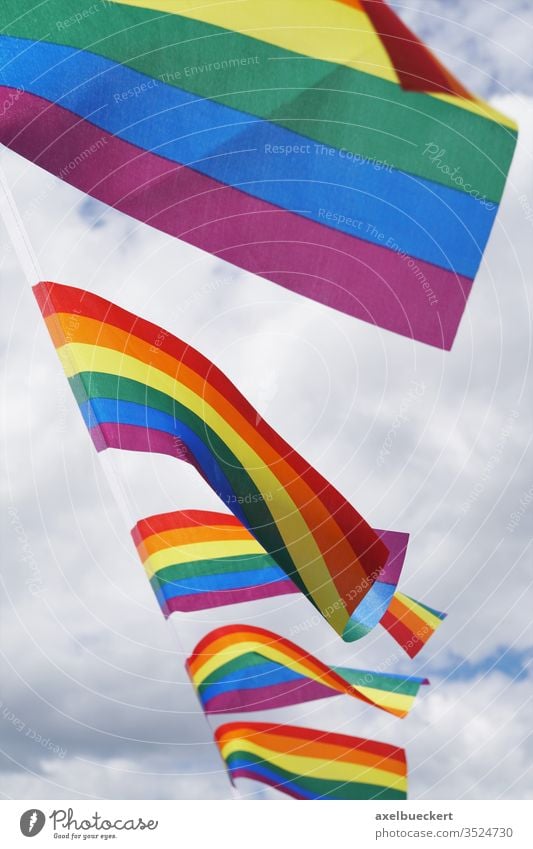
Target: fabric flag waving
<point>410,622</point>
<point>198,559</point>
<point>317,144</point>
<point>308,764</point>
<point>142,389</point>
<point>244,668</point>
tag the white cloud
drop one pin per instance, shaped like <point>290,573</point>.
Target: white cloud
<point>89,661</point>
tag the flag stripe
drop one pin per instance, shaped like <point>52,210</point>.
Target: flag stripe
<point>411,623</point>
<point>374,283</point>
<point>185,586</point>
<point>313,764</point>
<point>221,597</point>
<point>319,539</point>
<point>428,614</point>
<point>245,765</point>
<point>240,668</point>
<point>173,538</point>
<point>191,552</point>
<point>331,29</point>
<point>166,45</point>
<point>331,770</point>
<point>228,146</point>
<point>223,566</point>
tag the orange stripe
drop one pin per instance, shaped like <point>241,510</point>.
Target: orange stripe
<point>312,749</point>
<point>198,533</point>
<point>410,620</point>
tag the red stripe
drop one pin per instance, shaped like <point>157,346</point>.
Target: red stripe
<point>417,68</point>
<point>384,750</point>
<point>407,639</point>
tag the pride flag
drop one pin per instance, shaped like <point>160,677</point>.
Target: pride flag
<point>308,764</point>
<point>317,144</point>
<point>244,668</point>
<point>142,389</point>
<point>410,622</point>
<point>198,559</point>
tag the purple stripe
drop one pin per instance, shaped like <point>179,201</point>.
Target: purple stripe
<point>396,542</point>
<point>202,601</point>
<point>362,279</point>
<point>265,698</point>
<point>135,438</point>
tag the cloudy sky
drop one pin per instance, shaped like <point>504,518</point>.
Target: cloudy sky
<point>94,699</point>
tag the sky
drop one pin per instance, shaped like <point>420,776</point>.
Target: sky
<point>94,700</point>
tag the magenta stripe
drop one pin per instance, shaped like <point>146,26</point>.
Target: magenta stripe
<point>266,698</point>
<point>135,438</point>
<point>201,601</point>
<point>362,279</point>
<point>396,542</point>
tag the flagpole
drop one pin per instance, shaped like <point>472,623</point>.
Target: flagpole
<point>33,273</point>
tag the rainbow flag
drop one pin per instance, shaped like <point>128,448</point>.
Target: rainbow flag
<point>410,622</point>
<point>244,668</point>
<point>309,764</point>
<point>198,559</point>
<point>317,144</point>
<point>140,388</point>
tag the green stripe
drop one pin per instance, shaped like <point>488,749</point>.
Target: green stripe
<point>326,102</point>
<point>432,610</point>
<point>360,678</point>
<point>246,563</point>
<point>321,786</point>
<point>237,664</point>
<point>87,385</point>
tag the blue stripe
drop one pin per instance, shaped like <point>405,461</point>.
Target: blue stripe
<point>253,678</point>
<point>217,583</point>
<point>374,605</point>
<point>426,220</point>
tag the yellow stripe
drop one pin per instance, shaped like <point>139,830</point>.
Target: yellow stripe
<point>394,701</point>
<point>191,552</point>
<point>429,618</point>
<point>237,650</point>
<point>334,33</point>
<point>317,767</point>
<point>297,537</point>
